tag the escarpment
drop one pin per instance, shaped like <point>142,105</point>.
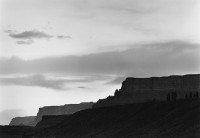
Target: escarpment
<point>137,90</point>
<point>142,107</point>
<point>50,110</point>
<point>23,121</point>
<point>62,110</point>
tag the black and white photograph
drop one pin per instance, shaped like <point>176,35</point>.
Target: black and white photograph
<point>99,68</point>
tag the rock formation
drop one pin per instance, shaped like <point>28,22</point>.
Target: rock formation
<point>24,121</point>
<point>136,90</point>
<point>50,110</point>
<point>62,110</point>
<point>177,119</point>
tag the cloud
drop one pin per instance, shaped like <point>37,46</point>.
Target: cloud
<point>50,81</point>
<point>28,37</point>
<point>32,34</point>
<point>63,37</point>
<point>8,31</point>
<point>27,42</point>
<point>154,59</point>
<point>132,6</point>
<point>34,80</point>
<point>82,87</point>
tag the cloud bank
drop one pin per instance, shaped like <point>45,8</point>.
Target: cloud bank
<point>50,81</point>
<point>174,57</point>
<point>34,80</point>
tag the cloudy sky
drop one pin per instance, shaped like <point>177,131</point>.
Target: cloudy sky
<point>55,52</point>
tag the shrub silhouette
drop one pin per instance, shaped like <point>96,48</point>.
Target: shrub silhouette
<point>173,96</point>
<point>191,95</point>
<point>186,96</point>
<point>168,97</point>
<point>196,95</point>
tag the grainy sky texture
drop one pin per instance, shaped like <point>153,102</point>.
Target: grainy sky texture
<point>55,52</point>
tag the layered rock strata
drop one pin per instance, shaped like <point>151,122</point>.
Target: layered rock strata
<point>137,90</point>
<point>23,121</point>
<point>50,110</point>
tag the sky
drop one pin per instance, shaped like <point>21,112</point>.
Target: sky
<point>55,52</point>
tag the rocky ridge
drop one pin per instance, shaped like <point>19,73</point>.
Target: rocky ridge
<point>138,90</point>
<point>50,110</point>
<point>23,121</point>
<point>62,110</point>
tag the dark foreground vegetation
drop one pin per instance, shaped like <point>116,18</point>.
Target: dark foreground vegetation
<point>169,119</point>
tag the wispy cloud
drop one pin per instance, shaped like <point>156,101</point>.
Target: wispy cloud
<point>51,81</point>
<point>32,34</point>
<point>28,37</point>
<point>25,42</point>
<point>34,80</point>
<point>8,31</point>
<point>63,37</point>
<point>82,87</point>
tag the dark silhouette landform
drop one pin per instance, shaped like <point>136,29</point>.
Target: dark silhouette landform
<point>23,121</point>
<point>138,90</point>
<point>50,110</point>
<point>62,110</point>
<point>157,107</point>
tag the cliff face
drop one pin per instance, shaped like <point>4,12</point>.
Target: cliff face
<point>62,110</point>
<point>51,120</point>
<point>50,110</point>
<point>186,82</point>
<point>136,90</point>
<point>25,121</point>
<point>178,119</point>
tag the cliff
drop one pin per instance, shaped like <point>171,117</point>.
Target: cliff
<point>137,90</point>
<point>178,119</point>
<point>50,110</point>
<point>23,121</point>
<point>51,120</point>
<point>62,110</point>
<point>175,119</point>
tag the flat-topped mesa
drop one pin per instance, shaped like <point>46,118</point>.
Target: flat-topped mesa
<point>50,110</point>
<point>186,82</point>
<point>62,110</point>
<point>136,90</point>
<point>25,121</point>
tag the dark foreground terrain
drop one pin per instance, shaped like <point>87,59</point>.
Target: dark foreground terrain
<point>172,119</point>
